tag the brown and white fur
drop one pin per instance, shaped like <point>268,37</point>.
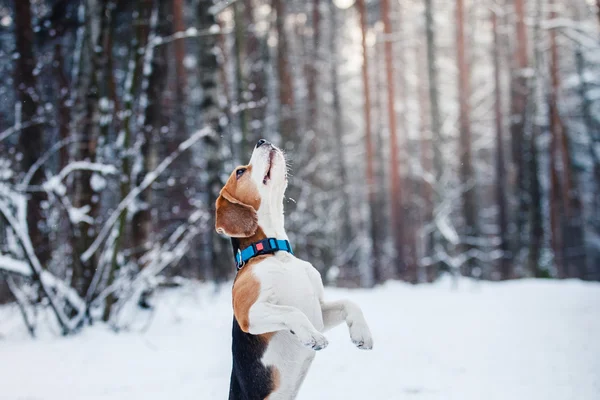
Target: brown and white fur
<point>279,310</point>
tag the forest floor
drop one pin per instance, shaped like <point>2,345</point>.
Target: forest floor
<point>516,340</point>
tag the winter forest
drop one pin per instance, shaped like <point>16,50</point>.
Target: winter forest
<point>423,137</point>
<point>444,173</point>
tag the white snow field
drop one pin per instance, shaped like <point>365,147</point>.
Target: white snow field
<point>483,341</point>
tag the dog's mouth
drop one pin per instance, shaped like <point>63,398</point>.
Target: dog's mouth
<point>267,176</point>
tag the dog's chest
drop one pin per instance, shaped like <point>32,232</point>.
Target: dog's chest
<point>292,283</point>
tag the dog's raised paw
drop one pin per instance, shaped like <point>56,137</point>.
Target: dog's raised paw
<point>361,336</point>
<point>315,341</point>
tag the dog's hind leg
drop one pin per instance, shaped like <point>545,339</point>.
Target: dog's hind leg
<point>266,317</point>
<point>336,312</point>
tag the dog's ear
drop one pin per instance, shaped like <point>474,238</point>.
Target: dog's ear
<point>235,219</point>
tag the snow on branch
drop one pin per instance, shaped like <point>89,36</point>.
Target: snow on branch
<point>45,157</point>
<point>24,305</point>
<point>170,253</point>
<point>20,126</point>
<point>18,222</point>
<point>11,265</point>
<point>135,192</point>
<point>54,184</point>
<point>575,30</point>
<point>188,33</point>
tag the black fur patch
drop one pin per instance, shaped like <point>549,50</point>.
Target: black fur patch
<point>250,379</point>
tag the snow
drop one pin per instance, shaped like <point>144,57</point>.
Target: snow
<point>191,31</point>
<point>78,215</point>
<point>97,182</point>
<point>516,340</point>
<point>15,266</point>
<point>190,61</point>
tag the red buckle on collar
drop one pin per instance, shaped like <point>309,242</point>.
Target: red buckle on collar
<point>259,246</point>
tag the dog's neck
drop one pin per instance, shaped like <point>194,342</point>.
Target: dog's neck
<point>270,224</point>
<point>271,220</point>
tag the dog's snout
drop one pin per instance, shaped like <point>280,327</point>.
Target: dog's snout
<point>261,142</point>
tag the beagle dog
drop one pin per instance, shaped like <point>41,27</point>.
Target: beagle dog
<point>279,310</point>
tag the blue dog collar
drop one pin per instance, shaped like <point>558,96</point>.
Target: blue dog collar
<point>265,246</point>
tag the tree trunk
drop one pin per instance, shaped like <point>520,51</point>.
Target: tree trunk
<point>555,207</point>
<point>536,232</point>
<point>31,139</point>
<point>287,123</point>
<point>519,95</point>
<point>573,239</point>
<point>346,233</point>
<point>377,273</point>
<point>312,72</point>
<point>256,61</point>
<point>220,257</point>
<point>63,117</point>
<point>466,164</point>
<point>591,127</point>
<point>426,161</point>
<point>395,184</point>
<point>536,235</point>
<point>505,264</point>
<point>436,119</point>
<point>432,72</point>
<point>141,220</point>
<point>241,85</point>
<point>137,52</point>
<point>408,217</point>
<point>85,120</point>
<point>178,23</point>
<point>179,45</point>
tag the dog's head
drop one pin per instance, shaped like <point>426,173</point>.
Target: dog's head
<point>260,185</point>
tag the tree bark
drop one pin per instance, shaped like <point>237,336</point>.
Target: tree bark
<point>377,273</point>
<point>220,256</point>
<point>505,265</point>
<point>256,58</point>
<point>85,120</point>
<point>396,204</point>
<point>178,25</point>
<point>63,116</point>
<point>287,123</point>
<point>137,53</point>
<point>536,235</point>
<point>179,45</point>
<point>591,127</point>
<point>31,138</point>
<point>536,231</point>
<point>573,239</point>
<point>466,163</point>
<point>426,159</point>
<point>519,95</point>
<point>436,119</point>
<point>312,71</point>
<point>141,220</point>
<point>347,232</point>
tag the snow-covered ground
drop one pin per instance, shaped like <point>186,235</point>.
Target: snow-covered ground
<point>517,340</point>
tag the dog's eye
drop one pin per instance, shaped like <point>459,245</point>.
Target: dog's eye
<point>239,173</point>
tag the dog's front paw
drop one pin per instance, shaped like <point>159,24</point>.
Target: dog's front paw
<point>361,335</point>
<point>313,340</point>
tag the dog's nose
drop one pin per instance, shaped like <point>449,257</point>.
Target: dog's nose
<point>261,142</point>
